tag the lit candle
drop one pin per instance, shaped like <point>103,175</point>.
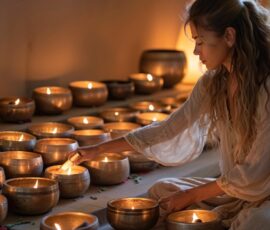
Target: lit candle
<point>17,102</point>
<point>21,138</point>
<point>90,85</point>
<point>105,159</point>
<point>57,227</point>
<point>195,218</point>
<point>85,121</point>
<point>151,107</point>
<point>116,114</point>
<point>54,130</point>
<point>48,91</point>
<point>149,77</point>
<point>36,184</point>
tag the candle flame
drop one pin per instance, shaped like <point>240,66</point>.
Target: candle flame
<point>17,101</point>
<point>132,208</point>
<point>69,171</point>
<point>54,130</point>
<point>105,159</point>
<point>151,107</point>
<point>36,184</point>
<point>194,217</point>
<point>116,113</point>
<point>90,85</point>
<point>21,138</point>
<point>85,120</point>
<point>48,91</point>
<point>154,119</point>
<point>57,226</point>
<point>149,77</point>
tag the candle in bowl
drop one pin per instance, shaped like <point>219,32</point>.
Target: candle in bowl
<point>3,208</point>
<point>2,177</point>
<point>89,93</point>
<point>193,220</point>
<point>147,106</point>
<point>21,163</point>
<point>86,122</point>
<point>133,213</point>
<point>73,182</point>
<point>90,136</point>
<point>150,117</point>
<point>117,114</point>
<point>52,100</point>
<point>55,150</point>
<point>69,220</point>
<point>13,140</point>
<point>118,129</point>
<point>108,169</point>
<point>16,109</point>
<point>146,83</point>
<point>51,129</point>
<point>31,195</point>
<point>170,104</point>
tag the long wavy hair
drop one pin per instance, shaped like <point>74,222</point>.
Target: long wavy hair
<point>250,63</point>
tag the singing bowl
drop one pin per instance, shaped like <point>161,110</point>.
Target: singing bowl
<point>86,122</point>
<point>51,129</point>
<point>2,177</point>
<point>144,216</point>
<point>57,102</point>
<point>84,96</point>
<point>168,64</point>
<point>73,185</point>
<point>90,136</point>
<point>10,141</point>
<point>118,129</point>
<point>70,220</point>
<point>21,163</point>
<point>147,106</point>
<point>3,208</point>
<point>113,172</point>
<point>149,117</point>
<point>119,114</point>
<point>55,150</point>
<point>120,89</point>
<point>22,112</point>
<point>24,199</point>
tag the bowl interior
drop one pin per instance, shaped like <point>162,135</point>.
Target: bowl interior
<point>133,204</point>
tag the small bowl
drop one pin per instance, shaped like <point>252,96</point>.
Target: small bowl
<point>89,93</point>
<point>147,106</point>
<point>150,117</point>
<point>133,213</point>
<point>86,122</point>
<point>119,129</point>
<point>146,83</point>
<point>120,89</point>
<point>117,114</point>
<point>2,177</point>
<point>52,100</point>
<point>16,109</point>
<point>13,140</point>
<point>90,136</point>
<point>51,129</point>
<point>55,150</point>
<point>3,208</point>
<point>21,164</point>
<point>69,220</point>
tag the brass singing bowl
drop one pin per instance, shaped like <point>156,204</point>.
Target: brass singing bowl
<point>108,173</point>
<point>144,216</point>
<point>91,122</point>
<point>3,208</point>
<point>21,163</point>
<point>147,106</point>
<point>58,101</point>
<point>83,96</point>
<point>51,129</point>
<point>120,89</point>
<point>90,136</point>
<point>2,177</point>
<point>118,129</point>
<point>24,199</point>
<point>150,117</point>
<point>55,150</point>
<point>21,112</point>
<point>13,140</point>
<point>70,220</point>
<point>119,114</point>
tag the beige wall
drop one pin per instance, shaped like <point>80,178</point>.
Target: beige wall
<point>52,42</point>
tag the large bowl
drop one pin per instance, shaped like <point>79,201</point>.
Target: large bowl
<point>69,220</point>
<point>21,163</point>
<point>3,208</point>
<point>24,198</point>
<point>133,213</point>
<point>86,122</point>
<point>118,114</point>
<point>14,109</point>
<point>120,89</point>
<point>168,64</point>
<point>150,117</point>
<point>119,129</point>
<point>55,150</point>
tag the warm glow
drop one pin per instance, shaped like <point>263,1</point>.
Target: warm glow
<point>85,120</point>
<point>69,171</point>
<point>154,119</point>
<point>116,114</point>
<point>54,130</point>
<point>17,101</point>
<point>36,184</point>
<point>132,207</point>
<point>149,77</point>
<point>48,91</point>
<point>21,138</point>
<point>90,85</point>
<point>151,107</point>
<point>194,217</point>
<point>105,159</point>
<point>57,227</point>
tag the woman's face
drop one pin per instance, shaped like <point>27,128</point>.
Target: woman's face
<point>212,49</point>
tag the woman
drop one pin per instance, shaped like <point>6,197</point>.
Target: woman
<point>231,101</point>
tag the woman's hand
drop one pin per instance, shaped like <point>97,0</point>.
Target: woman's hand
<point>84,154</point>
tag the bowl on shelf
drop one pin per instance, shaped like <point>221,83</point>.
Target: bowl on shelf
<point>150,117</point>
<point>147,106</point>
<point>86,122</point>
<point>117,114</point>
<point>120,89</point>
<point>118,129</point>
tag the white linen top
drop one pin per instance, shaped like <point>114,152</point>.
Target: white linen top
<point>181,138</point>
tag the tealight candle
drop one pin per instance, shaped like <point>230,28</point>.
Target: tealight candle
<point>16,109</point>
<point>149,117</point>
<point>52,100</point>
<point>147,106</point>
<point>86,122</point>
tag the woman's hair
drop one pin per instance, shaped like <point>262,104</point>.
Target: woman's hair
<point>250,63</point>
